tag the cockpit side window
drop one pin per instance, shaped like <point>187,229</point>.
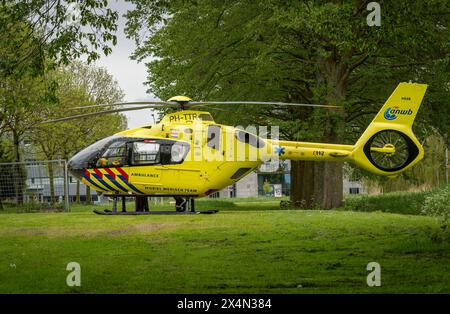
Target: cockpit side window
<point>162,152</point>
<point>178,152</point>
<point>114,155</point>
<point>145,153</point>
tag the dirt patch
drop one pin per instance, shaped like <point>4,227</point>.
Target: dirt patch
<point>141,228</point>
<point>33,231</point>
<point>148,227</point>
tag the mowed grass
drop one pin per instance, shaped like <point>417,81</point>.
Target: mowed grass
<point>250,246</point>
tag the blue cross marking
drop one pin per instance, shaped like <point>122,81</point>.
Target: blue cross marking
<point>280,150</point>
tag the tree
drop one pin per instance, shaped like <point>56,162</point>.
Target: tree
<point>36,35</point>
<point>22,101</point>
<point>79,85</point>
<point>305,51</point>
<point>8,179</point>
<point>64,30</point>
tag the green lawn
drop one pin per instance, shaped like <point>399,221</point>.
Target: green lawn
<point>248,247</point>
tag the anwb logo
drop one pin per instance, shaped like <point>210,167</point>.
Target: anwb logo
<point>391,113</point>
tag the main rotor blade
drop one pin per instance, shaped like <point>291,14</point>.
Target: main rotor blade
<point>132,103</point>
<point>98,113</point>
<point>191,103</point>
<point>159,104</point>
<point>204,105</point>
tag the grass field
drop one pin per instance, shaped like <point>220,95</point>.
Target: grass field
<point>250,246</point>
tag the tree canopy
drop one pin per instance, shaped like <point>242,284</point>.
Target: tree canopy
<point>302,51</point>
<point>79,85</point>
<point>59,30</point>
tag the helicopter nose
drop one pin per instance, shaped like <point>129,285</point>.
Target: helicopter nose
<point>87,157</point>
<point>78,174</point>
<point>77,167</point>
<point>77,162</point>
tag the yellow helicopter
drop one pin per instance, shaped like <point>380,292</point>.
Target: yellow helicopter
<point>187,155</point>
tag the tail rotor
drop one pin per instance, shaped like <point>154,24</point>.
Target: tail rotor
<point>389,146</point>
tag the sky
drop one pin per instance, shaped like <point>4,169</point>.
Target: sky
<point>129,73</point>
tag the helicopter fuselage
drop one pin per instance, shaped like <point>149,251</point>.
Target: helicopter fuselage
<point>185,154</point>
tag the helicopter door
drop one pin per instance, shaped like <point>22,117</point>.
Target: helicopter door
<point>145,156</point>
<point>166,150</point>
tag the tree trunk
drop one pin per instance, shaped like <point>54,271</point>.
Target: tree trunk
<point>302,184</point>
<point>318,183</point>
<point>329,180</point>
<point>88,195</point>
<point>332,185</point>
<point>18,175</point>
<point>78,193</point>
<point>52,184</point>
<point>16,143</point>
<point>66,186</point>
<point>141,203</point>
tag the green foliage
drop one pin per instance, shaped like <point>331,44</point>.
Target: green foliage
<point>409,203</point>
<point>29,207</point>
<point>297,51</point>
<point>437,204</point>
<point>20,51</point>
<point>35,36</point>
<point>6,154</point>
<point>266,187</point>
<point>433,202</point>
<point>308,51</point>
<point>7,173</point>
<point>79,85</point>
<point>47,23</point>
<point>23,101</point>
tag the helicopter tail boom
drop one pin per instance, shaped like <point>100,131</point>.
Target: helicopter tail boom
<point>313,151</point>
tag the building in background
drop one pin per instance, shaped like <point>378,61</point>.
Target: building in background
<point>274,180</point>
<point>38,183</point>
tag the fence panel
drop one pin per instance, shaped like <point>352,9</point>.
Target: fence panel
<point>42,183</point>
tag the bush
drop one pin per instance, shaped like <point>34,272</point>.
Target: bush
<point>409,203</point>
<point>30,207</point>
<point>437,204</point>
<point>214,204</point>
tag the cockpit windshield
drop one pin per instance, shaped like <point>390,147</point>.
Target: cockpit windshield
<point>114,155</point>
<point>83,158</point>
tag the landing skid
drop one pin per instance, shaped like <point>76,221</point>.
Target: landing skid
<point>110,213</point>
<point>183,206</point>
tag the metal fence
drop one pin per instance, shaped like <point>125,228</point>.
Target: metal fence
<point>44,183</point>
